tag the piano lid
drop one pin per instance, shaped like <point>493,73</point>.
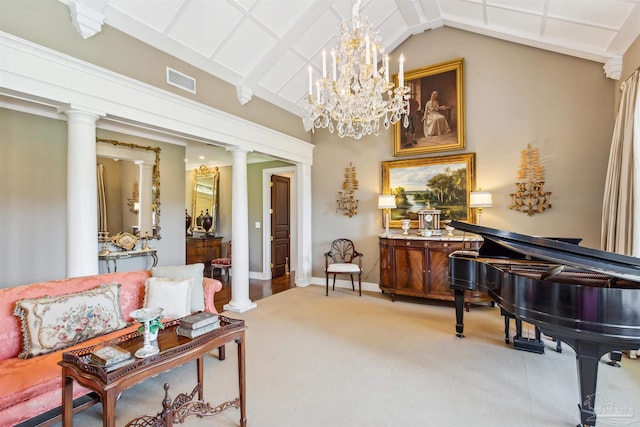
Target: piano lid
<point>613,264</point>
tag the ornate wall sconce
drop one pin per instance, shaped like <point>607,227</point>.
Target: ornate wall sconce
<point>347,203</point>
<point>530,197</point>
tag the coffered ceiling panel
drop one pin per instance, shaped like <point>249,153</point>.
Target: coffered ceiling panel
<point>204,25</point>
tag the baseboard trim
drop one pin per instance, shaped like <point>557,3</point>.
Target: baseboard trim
<point>346,284</point>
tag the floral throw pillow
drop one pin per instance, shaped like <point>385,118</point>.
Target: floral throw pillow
<point>53,323</point>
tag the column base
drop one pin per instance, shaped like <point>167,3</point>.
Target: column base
<point>240,307</point>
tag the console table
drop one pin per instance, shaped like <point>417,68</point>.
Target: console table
<point>115,256</point>
<point>419,266</point>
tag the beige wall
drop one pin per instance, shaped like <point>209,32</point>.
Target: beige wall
<point>33,191</point>
<point>514,96</point>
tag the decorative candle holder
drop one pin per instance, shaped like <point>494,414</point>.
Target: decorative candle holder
<point>145,316</point>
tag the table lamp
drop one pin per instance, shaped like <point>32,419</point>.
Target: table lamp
<point>386,202</point>
<point>480,199</point>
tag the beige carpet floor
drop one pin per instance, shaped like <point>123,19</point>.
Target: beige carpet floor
<point>349,361</point>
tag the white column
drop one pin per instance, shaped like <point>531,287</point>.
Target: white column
<point>145,217</point>
<point>82,192</point>
<point>303,193</point>
<point>240,301</point>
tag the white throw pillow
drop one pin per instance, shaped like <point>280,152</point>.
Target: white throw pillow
<point>190,271</point>
<point>174,296</point>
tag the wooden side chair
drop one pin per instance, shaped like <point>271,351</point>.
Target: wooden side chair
<point>343,258</point>
<point>222,264</point>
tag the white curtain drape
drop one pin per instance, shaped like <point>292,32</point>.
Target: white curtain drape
<point>620,229</point>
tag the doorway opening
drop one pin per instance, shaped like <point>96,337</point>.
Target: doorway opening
<point>267,259</point>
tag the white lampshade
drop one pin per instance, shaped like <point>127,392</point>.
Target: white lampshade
<point>387,201</point>
<point>480,199</point>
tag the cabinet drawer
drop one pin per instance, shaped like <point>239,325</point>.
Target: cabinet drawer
<point>438,244</point>
<point>410,243</point>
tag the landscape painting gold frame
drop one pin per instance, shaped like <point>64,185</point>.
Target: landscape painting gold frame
<point>447,79</point>
<point>452,178</point>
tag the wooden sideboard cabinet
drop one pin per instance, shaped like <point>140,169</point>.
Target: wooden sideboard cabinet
<point>203,249</point>
<point>419,267</point>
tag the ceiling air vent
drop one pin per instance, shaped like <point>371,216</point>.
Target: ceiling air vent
<point>176,78</point>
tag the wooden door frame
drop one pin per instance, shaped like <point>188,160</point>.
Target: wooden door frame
<point>289,172</point>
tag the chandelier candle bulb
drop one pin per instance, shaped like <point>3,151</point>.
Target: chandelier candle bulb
<point>401,72</point>
<point>375,61</point>
<point>335,64</point>
<point>310,82</point>
<point>367,49</point>
<point>386,68</point>
<point>324,64</point>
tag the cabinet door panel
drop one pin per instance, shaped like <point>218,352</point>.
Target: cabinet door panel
<point>410,264</point>
<point>439,274</point>
<point>385,265</point>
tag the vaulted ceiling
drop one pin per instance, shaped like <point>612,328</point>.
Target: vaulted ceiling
<point>263,47</point>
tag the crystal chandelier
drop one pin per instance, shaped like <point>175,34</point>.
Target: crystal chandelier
<point>360,94</point>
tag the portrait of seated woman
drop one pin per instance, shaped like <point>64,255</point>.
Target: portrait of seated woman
<point>434,122</point>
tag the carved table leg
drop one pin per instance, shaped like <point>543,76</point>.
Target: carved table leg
<point>200,367</point>
<point>242,381</point>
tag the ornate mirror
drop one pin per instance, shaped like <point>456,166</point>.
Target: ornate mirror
<point>204,207</point>
<point>128,189</point>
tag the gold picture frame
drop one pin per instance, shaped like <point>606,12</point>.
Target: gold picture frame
<point>443,183</point>
<point>442,129</point>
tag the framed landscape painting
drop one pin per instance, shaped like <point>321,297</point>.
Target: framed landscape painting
<point>436,105</point>
<point>430,183</point>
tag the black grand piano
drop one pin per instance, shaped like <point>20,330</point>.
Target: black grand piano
<point>586,298</point>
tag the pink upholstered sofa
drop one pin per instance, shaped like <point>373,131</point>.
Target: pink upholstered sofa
<point>30,387</point>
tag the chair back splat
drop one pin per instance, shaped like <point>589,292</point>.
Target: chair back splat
<point>343,258</point>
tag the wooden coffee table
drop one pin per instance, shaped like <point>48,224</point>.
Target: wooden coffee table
<point>175,351</point>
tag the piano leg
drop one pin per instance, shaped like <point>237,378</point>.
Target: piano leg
<point>506,325</point>
<point>587,359</point>
<point>458,295</point>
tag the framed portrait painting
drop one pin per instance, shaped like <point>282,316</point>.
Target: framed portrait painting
<point>442,183</point>
<point>436,105</point>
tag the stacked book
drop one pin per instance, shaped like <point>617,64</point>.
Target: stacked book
<point>110,357</point>
<point>197,324</point>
